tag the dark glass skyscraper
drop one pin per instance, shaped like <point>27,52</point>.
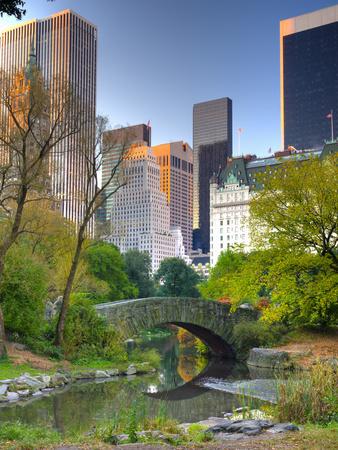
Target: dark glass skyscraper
<point>212,143</point>
<point>309,77</point>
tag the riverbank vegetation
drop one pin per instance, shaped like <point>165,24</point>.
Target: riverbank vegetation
<point>25,437</point>
<point>309,396</point>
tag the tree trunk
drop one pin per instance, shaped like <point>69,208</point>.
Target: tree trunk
<point>3,351</point>
<point>2,324</point>
<point>3,252</point>
<point>68,289</point>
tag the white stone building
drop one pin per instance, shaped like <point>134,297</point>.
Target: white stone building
<point>230,196</point>
<point>229,214</point>
<point>140,215</point>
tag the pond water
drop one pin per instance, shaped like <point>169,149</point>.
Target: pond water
<point>185,386</point>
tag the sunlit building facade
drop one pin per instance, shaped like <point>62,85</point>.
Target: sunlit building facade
<point>65,49</point>
<point>176,169</point>
<point>116,142</point>
<point>140,217</point>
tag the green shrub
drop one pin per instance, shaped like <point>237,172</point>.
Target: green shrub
<point>151,356</point>
<point>22,292</point>
<point>196,433</point>
<point>309,396</point>
<point>87,335</point>
<point>250,334</point>
<point>42,346</point>
<point>304,291</point>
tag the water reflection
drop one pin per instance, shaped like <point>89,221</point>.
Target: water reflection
<point>79,407</point>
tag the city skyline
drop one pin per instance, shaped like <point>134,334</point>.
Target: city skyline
<point>134,89</point>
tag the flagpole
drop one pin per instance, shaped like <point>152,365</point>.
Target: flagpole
<point>331,125</point>
<point>240,130</point>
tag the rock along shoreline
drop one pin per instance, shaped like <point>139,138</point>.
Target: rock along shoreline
<point>31,386</point>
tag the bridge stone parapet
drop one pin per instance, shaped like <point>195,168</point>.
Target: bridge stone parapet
<point>210,321</point>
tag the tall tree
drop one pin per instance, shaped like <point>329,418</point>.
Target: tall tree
<point>297,207</point>
<point>177,279</point>
<point>218,285</point>
<point>138,268</point>
<point>93,150</point>
<point>12,8</point>
<point>31,128</point>
<point>106,263</point>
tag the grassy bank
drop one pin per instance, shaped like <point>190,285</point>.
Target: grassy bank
<point>33,364</point>
<point>10,370</point>
<point>315,437</point>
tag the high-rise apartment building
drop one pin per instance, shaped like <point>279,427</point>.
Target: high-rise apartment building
<point>115,142</point>
<point>176,168</point>
<point>212,144</point>
<point>64,47</point>
<point>308,77</point>
<point>140,218</point>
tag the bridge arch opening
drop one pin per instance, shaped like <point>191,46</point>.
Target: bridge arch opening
<point>215,343</point>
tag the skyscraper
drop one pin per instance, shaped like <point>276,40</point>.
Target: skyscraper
<point>176,168</point>
<point>308,77</point>
<point>141,215</point>
<point>212,124</point>
<point>118,141</point>
<point>64,47</point>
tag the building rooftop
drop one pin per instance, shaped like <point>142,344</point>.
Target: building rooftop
<point>242,169</point>
<point>59,13</point>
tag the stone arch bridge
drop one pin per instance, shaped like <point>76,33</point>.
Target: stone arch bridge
<point>210,321</point>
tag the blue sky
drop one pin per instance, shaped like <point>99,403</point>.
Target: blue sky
<point>156,58</point>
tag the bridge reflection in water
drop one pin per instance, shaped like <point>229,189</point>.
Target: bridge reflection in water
<point>79,407</point>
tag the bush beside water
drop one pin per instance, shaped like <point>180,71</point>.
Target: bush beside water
<point>250,334</point>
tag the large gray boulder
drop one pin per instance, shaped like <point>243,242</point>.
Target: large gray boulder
<point>33,382</point>
<point>12,396</point>
<point>101,374</point>
<point>269,358</point>
<point>131,370</point>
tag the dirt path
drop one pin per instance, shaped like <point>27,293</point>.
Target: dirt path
<point>19,355</point>
<point>307,348</point>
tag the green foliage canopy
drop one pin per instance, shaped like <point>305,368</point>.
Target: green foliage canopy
<point>106,263</point>
<point>228,264</point>
<point>22,293</point>
<point>177,279</point>
<point>138,268</point>
<point>301,289</point>
<point>297,207</point>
